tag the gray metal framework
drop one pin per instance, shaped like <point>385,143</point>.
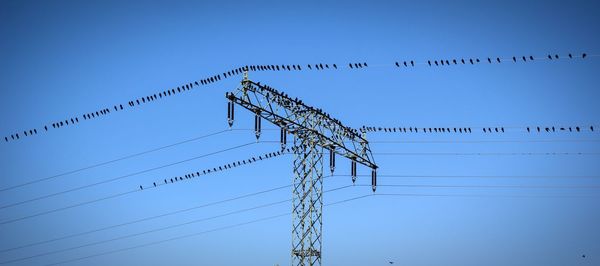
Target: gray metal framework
<point>313,131</point>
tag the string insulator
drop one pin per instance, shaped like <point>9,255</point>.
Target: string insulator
<point>374,179</point>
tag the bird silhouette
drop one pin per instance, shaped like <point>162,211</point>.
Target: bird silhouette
<point>498,59</point>
<point>489,60</point>
<point>429,62</point>
<point>154,184</point>
<point>412,63</point>
<point>514,59</point>
<point>141,188</point>
<point>583,55</point>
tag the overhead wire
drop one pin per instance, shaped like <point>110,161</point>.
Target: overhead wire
<point>112,161</point>
<point>236,71</point>
<point>161,228</point>
<point>104,182</point>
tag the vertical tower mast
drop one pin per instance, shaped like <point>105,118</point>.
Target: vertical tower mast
<point>313,131</point>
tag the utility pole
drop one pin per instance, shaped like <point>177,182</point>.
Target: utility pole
<point>314,131</point>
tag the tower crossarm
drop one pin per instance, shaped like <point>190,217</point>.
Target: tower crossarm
<point>291,114</point>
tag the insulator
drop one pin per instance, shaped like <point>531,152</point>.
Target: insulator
<point>332,159</point>
<point>230,113</point>
<point>374,179</point>
<point>283,138</point>
<point>353,171</point>
<point>257,126</point>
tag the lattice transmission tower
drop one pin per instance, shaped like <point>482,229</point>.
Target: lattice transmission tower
<point>314,131</point>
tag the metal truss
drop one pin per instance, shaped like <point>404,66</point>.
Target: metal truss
<point>313,131</point>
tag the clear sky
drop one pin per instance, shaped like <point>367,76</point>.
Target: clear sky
<point>63,59</point>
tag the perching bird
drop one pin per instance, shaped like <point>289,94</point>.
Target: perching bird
<point>550,57</point>
<point>498,59</point>
<point>471,60</point>
<point>141,188</point>
<point>489,60</point>
<point>583,55</point>
<point>397,65</point>
<point>429,62</point>
<point>412,63</point>
<point>514,59</point>
<point>154,184</point>
<point>531,58</point>
<point>528,130</point>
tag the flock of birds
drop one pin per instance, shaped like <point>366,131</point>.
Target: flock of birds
<point>473,61</point>
<point>283,99</point>
<point>218,169</point>
<point>548,129</point>
<point>237,71</point>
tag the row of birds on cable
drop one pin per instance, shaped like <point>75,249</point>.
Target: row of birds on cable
<point>558,129</point>
<point>120,107</point>
<point>472,61</point>
<point>217,169</point>
<point>417,130</point>
<point>284,99</point>
<point>240,70</point>
<point>469,130</point>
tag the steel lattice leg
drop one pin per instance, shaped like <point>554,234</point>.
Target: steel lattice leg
<point>307,202</point>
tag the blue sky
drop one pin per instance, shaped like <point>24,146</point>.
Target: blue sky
<point>63,59</point>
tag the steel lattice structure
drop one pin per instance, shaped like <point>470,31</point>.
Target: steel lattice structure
<point>313,131</point>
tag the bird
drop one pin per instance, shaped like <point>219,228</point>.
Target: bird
<point>583,55</point>
<point>528,130</point>
<point>412,63</point>
<point>531,58</point>
<point>335,66</point>
<point>350,64</point>
<point>405,64</point>
<point>429,62</point>
<point>154,184</point>
<point>550,57</point>
<point>471,60</point>
<point>514,59</point>
<point>498,59</point>
<point>489,60</point>
<point>141,188</point>
<point>462,61</point>
<point>397,65</point>
<point>524,59</point>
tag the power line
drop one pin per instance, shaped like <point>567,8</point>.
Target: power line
<point>112,161</point>
<point>160,228</point>
<point>489,186</point>
<point>149,218</point>
<point>486,141</point>
<point>482,176</point>
<point>224,167</point>
<point>106,181</point>
<point>486,130</point>
<point>73,120</point>
<point>478,195</point>
<point>200,233</point>
<point>487,153</point>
